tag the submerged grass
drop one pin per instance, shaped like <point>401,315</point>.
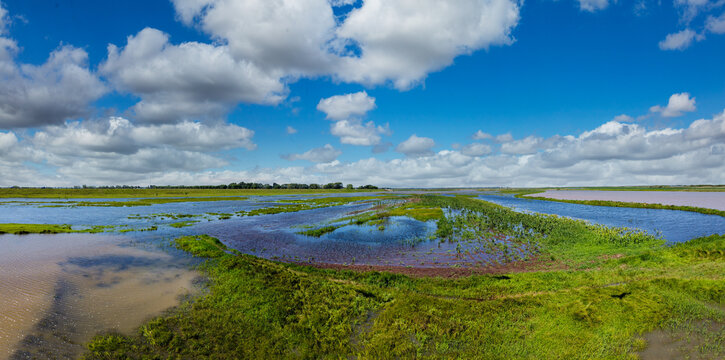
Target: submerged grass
<point>255,308</point>
<point>612,288</point>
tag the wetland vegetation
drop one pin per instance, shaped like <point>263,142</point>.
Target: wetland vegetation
<point>589,291</point>
<point>475,280</point>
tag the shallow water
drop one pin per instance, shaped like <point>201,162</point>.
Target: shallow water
<point>674,226</point>
<point>710,200</point>
<point>57,291</point>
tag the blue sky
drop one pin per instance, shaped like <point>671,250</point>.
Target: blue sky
<point>552,74</point>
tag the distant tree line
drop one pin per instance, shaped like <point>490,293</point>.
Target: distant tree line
<point>251,185</point>
<point>239,185</point>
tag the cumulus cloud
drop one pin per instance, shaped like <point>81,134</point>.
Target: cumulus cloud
<point>680,40</point>
<point>323,154</point>
<point>343,107</point>
<point>378,42</point>
<point>61,88</point>
<point>290,130</point>
<point>416,146</point>
<point>716,25</point>
<point>593,5</point>
<point>623,118</point>
<point>347,111</point>
<point>403,41</point>
<point>615,153</point>
<point>476,149</point>
<point>677,104</point>
<point>187,81</point>
<point>480,135</point>
<point>4,20</point>
<point>503,138</point>
<point>354,132</point>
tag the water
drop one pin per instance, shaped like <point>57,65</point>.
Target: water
<point>710,200</point>
<point>675,226</point>
<point>57,291</point>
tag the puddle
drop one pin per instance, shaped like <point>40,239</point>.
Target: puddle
<point>57,291</point>
<point>704,340</point>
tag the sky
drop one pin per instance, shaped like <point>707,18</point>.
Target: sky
<point>405,93</point>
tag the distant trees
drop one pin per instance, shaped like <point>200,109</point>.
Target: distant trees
<point>239,185</point>
<point>251,185</point>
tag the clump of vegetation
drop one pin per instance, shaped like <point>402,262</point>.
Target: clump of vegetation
<point>22,229</point>
<point>182,224</point>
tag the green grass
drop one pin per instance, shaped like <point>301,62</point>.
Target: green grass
<point>610,287</point>
<point>255,308</point>
<point>182,224</point>
<point>22,229</point>
<point>52,193</point>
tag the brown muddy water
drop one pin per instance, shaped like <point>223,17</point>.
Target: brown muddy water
<point>57,291</point>
<point>710,200</point>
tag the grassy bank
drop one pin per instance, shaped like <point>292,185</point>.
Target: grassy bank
<point>49,193</point>
<point>22,229</point>
<point>612,288</point>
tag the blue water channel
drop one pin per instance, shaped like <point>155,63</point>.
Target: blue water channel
<point>674,225</point>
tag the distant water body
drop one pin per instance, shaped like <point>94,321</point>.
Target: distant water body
<point>675,226</point>
<point>710,200</point>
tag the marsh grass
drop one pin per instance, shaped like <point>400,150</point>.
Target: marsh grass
<point>255,308</point>
<point>615,286</point>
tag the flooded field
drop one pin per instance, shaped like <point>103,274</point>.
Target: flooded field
<point>673,225</point>
<point>57,291</point>
<point>709,200</point>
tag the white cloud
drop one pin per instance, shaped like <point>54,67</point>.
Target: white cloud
<point>290,130</point>
<point>61,88</point>
<point>677,104</point>
<point>689,9</point>
<point>187,81</point>
<point>120,136</point>
<point>347,111</point>
<point>716,25</point>
<point>378,42</point>
<point>614,153</point>
<point>593,5</point>
<point>416,146</point>
<point>623,118</point>
<point>343,107</point>
<point>476,149</point>
<point>480,135</point>
<point>4,20</point>
<point>527,145</point>
<point>403,41</point>
<point>289,37</point>
<point>323,154</point>
<point>503,138</point>
<point>680,40</point>
<point>354,132</point>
